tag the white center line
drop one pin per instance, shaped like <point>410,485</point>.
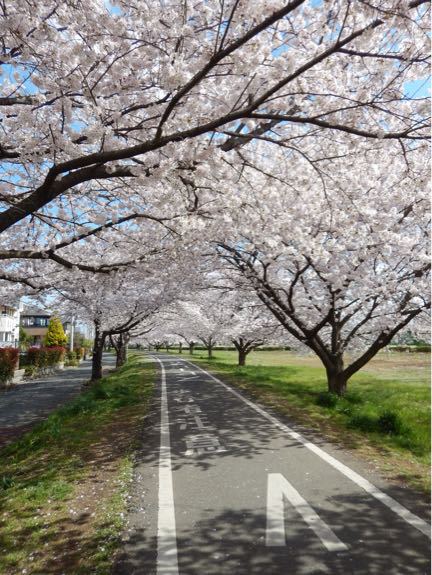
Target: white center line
<point>369,487</point>
<point>167,563</point>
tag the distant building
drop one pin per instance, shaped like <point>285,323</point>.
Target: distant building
<point>9,325</point>
<point>35,323</point>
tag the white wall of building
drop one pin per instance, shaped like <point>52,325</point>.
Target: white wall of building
<point>9,325</point>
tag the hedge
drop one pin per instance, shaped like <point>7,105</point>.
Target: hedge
<point>200,347</point>
<point>8,362</point>
<point>420,348</point>
<point>42,357</point>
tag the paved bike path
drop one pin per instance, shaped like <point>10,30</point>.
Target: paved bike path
<point>223,489</point>
<point>27,403</point>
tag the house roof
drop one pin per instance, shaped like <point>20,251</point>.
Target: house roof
<point>14,304</point>
<point>32,310</point>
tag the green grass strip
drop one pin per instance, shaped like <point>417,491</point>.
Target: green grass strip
<point>63,484</point>
<point>388,407</point>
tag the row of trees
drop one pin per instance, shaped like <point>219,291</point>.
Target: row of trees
<point>230,171</point>
<point>212,317</point>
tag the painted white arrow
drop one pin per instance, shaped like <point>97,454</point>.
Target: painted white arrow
<point>278,489</point>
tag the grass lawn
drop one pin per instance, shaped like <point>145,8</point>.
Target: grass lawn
<point>385,415</point>
<point>63,484</point>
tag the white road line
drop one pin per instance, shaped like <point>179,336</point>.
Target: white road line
<point>199,422</point>
<point>167,563</point>
<point>369,487</point>
<point>279,488</point>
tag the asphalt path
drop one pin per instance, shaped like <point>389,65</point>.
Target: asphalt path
<point>27,403</point>
<point>223,487</point>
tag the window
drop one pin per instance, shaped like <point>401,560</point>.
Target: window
<point>7,311</point>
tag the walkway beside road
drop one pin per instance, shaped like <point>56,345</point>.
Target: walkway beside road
<point>222,487</point>
<point>28,403</point>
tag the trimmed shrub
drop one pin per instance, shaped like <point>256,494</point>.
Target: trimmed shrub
<point>43,357</point>
<point>71,355</point>
<point>71,359</point>
<point>8,362</point>
<point>417,348</point>
<point>55,336</point>
<point>55,354</point>
<point>34,356</point>
<point>31,371</point>
<point>79,352</point>
<point>423,348</point>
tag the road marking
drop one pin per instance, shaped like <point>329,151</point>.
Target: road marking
<point>202,444</point>
<point>356,478</point>
<point>167,563</point>
<point>187,378</point>
<point>279,488</point>
<point>199,422</point>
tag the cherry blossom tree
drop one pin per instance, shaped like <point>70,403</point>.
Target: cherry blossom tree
<point>212,316</point>
<point>124,304</point>
<point>121,115</point>
<point>341,260</point>
<point>207,320</point>
<point>291,134</point>
<point>251,326</point>
<point>176,325</point>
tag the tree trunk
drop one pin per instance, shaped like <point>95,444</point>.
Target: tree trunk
<point>98,347</point>
<point>337,381</point>
<point>119,343</point>
<point>180,347</point>
<point>243,347</point>
<point>120,356</point>
<point>191,348</point>
<point>121,352</point>
<point>210,351</point>
<point>242,357</point>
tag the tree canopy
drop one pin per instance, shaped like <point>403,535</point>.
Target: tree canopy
<point>149,150</point>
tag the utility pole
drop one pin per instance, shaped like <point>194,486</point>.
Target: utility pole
<point>71,334</point>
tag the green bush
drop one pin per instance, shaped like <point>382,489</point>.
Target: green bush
<point>423,348</point>
<point>417,348</point>
<point>389,423</point>
<point>363,421</point>
<point>30,370</point>
<point>55,355</point>
<point>79,352</point>
<point>55,336</point>
<point>327,399</point>
<point>8,363</point>
<point>43,357</point>
<point>71,356</point>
